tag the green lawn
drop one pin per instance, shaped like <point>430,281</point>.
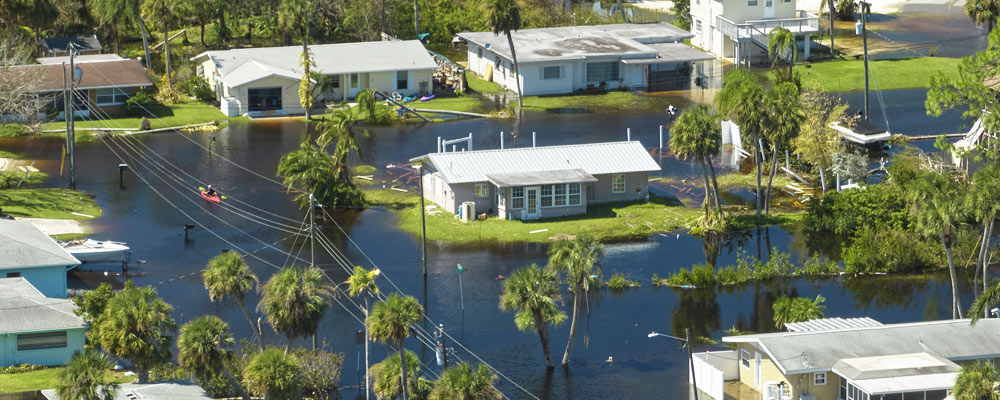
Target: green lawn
<point>607,102</point>
<point>184,113</point>
<point>479,85</point>
<point>736,179</point>
<point>849,75</point>
<point>48,203</point>
<point>43,379</point>
<point>10,179</point>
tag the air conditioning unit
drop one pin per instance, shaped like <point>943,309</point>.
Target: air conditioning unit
<point>468,211</point>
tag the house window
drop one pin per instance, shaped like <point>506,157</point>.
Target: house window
<point>13,274</point>
<point>402,80</point>
<point>618,183</point>
<point>354,81</point>
<point>111,96</point>
<point>560,195</point>
<point>482,190</point>
<point>819,378</point>
<point>574,194</point>
<point>602,71</point>
<point>591,192</point>
<point>335,81</point>
<point>552,72</point>
<point>752,3</point>
<point>547,196</point>
<point>37,341</point>
<point>517,198</point>
<point>697,26</point>
<point>768,3</point>
<point>745,358</point>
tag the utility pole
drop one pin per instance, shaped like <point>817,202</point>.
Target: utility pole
<point>694,383</point>
<point>444,349</point>
<point>312,245</point>
<point>423,223</point>
<point>68,97</point>
<point>833,53</point>
<point>864,41</point>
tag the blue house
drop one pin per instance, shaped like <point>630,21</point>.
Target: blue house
<point>28,253</point>
<point>35,329</point>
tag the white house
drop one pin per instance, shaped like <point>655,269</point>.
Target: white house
<point>596,57</point>
<point>168,390</point>
<point>26,252</point>
<point>266,79</point>
<point>737,29</point>
<point>35,329</point>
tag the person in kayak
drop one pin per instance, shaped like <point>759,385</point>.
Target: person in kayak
<point>210,192</point>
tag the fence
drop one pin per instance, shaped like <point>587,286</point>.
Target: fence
<point>712,369</point>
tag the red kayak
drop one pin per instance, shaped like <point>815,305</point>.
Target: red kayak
<point>215,199</point>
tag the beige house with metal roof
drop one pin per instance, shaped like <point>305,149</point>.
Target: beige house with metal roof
<point>537,182</point>
<point>265,80</point>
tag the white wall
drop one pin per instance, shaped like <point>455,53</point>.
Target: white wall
<point>712,369</point>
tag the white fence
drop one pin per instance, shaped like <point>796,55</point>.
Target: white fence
<point>712,369</point>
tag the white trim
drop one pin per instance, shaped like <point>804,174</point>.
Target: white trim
<point>746,353</point>
<point>817,375</point>
<point>624,183</point>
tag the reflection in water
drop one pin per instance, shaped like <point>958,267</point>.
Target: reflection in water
<point>697,310</point>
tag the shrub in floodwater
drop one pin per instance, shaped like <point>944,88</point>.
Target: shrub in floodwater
<point>734,275</point>
<point>890,250</point>
<point>657,281</point>
<point>703,275</point>
<point>819,265</point>
<point>680,278</point>
<point>618,282</point>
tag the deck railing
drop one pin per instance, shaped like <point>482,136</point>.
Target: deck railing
<point>758,29</point>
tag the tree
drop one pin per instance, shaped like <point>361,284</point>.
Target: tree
<point>136,326</point>
<point>682,12</point>
<point>116,14</point>
<point>274,374</point>
<point>18,86</point>
<point>983,12</point>
<point>817,140</point>
<point>782,120</point>
<point>697,134</point>
<point>797,309</point>
<point>305,85</point>
<point>295,15</point>
<point>463,382</point>
<point>90,307</point>
<point>362,283</point>
<point>387,378</point>
<point>532,293</point>
<point>740,100</point>
<point>983,201</point>
<point>505,16</point>
<point>201,350</point>
<point>340,128</point>
<point>312,170</point>
<point>86,378</point>
<point>977,381</point>
<point>390,323</point>
<point>164,11</point>
<point>937,212</point>
<point>781,43</point>
<point>294,301</point>
<point>320,373</point>
<point>201,13</point>
<point>227,275</point>
<point>578,259</point>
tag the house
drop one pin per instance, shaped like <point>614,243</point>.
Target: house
<point>850,359</point>
<point>737,29</point>
<point>101,85</point>
<point>26,252</point>
<point>598,57</point>
<point>537,182</point>
<point>266,79</point>
<point>36,329</point>
<point>79,59</point>
<point>83,44</point>
<point>169,390</point>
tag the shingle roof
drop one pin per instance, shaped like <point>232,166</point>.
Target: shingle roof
<point>24,309</point>
<point>22,245</point>
<point>102,74</point>
<point>799,352</point>
<point>82,43</point>
<point>595,158</point>
<point>173,390</point>
<point>338,58</point>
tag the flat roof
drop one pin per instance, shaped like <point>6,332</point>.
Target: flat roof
<point>540,178</point>
<point>895,365</point>
<point>671,53</point>
<point>913,383</point>
<point>578,42</point>
<point>24,309</point>
<point>22,245</point>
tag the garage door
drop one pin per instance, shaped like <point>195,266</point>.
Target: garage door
<point>263,99</point>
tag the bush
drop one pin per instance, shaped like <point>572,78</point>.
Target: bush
<point>618,282</point>
<point>166,93</point>
<point>167,372</point>
<point>657,281</point>
<point>198,88</point>
<point>890,250</point>
<point>845,212</point>
<point>138,104</point>
<point>819,265</point>
<point>20,368</point>
<point>13,130</point>
<point>731,276</point>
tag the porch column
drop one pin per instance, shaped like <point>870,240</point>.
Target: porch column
<point>808,44</point>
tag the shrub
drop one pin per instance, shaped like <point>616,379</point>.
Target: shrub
<point>734,275</point>
<point>166,93</point>
<point>199,88</point>
<point>657,281</point>
<point>819,265</point>
<point>138,104</point>
<point>17,369</point>
<point>703,275</point>
<point>618,282</point>
<point>680,278</point>
<point>845,212</point>
<point>890,250</point>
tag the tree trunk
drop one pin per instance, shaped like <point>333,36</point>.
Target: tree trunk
<point>253,326</point>
<point>543,335</point>
<point>822,180</point>
<point>715,185</point>
<point>986,263</point>
<point>145,42</point>
<point>956,307</point>
<point>236,384</point>
<point>118,41</point>
<point>367,378</point>
<point>305,49</point>
<point>770,178</point>
<point>756,159</point>
<point>143,373</point>
<point>250,31</point>
<point>517,75</point>
<point>402,368</point>
<point>708,191</point>
<point>572,325</point>
<point>416,24</point>
<point>166,52</point>
<point>202,35</point>
<point>622,10</point>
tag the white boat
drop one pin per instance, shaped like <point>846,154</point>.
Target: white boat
<point>96,250</point>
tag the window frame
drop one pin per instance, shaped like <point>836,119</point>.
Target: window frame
<point>546,194</point>
<point>515,198</point>
<point>355,80</point>
<point>546,69</point>
<point>56,344</point>
<point>482,190</point>
<point>819,377</point>
<point>752,3</point>
<point>570,194</point>
<point>118,96</point>
<point>559,198</point>
<point>744,359</point>
<point>335,81</point>
<point>697,25</point>
<point>403,77</point>
<point>609,71</point>
<point>615,183</point>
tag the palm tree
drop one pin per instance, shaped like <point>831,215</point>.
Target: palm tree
<point>274,374</point>
<point>227,275</point>
<point>390,323</point>
<point>983,12</point>
<point>532,292</point>
<point>362,283</point>
<point>740,100</point>
<point>505,17</point>
<point>294,301</point>
<point>783,120</point>
<point>781,43</point>
<point>984,201</point>
<point>387,377</point>
<point>986,301</point>
<point>578,260</point>
<point>201,350</point>
<point>463,382</point>
<point>977,381</point>
<point>163,11</point>
<point>136,326</point>
<point>310,170</point>
<point>86,378</point>
<point>340,128</point>
<point>697,134</point>
<point>797,309</point>
<point>937,213</point>
<point>305,85</point>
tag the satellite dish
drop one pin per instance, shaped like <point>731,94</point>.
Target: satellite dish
<point>77,73</point>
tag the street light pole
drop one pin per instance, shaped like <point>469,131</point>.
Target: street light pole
<point>423,224</point>
<point>689,345</point>
<point>864,41</point>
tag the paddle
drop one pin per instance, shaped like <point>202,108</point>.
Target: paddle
<point>220,196</point>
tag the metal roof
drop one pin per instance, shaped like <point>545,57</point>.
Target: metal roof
<point>540,178</point>
<point>330,59</point>
<point>671,53</point>
<point>24,309</point>
<point>22,245</point>
<point>594,159</point>
<point>893,366</point>
<point>826,324</point>
<point>171,390</point>
<point>813,351</point>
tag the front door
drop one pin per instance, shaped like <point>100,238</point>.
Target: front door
<point>531,202</point>
<point>756,375</point>
<point>768,9</point>
<point>354,85</point>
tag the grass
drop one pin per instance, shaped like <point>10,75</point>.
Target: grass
<point>480,85</point>
<point>11,129</point>
<point>44,379</point>
<point>10,179</point>
<point>736,179</point>
<point>185,113</point>
<point>48,203</point>
<point>606,102</point>
<point>7,154</point>
<point>451,103</point>
<point>849,75</point>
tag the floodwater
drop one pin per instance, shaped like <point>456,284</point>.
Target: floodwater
<point>150,216</point>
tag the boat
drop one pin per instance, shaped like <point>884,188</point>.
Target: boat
<point>215,199</point>
<point>428,97</point>
<point>89,251</point>
<point>408,99</point>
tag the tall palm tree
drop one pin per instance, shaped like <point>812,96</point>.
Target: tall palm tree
<point>390,323</point>
<point>797,309</point>
<point>362,283</point>
<point>505,16</point>
<point>977,381</point>
<point>163,11</point>
<point>781,43</point>
<point>86,378</point>
<point>136,326</point>
<point>983,12</point>
<point>463,382</point>
<point>305,84</point>
<point>986,301</point>
<point>201,350</point>
<point>387,376</point>
<point>578,260</point>
<point>340,128</point>
<point>227,275</point>
<point>938,213</point>
<point>783,117</point>
<point>310,170</point>
<point>533,292</point>
<point>697,134</point>
<point>294,301</point>
<point>984,202</point>
<point>117,12</point>
<point>740,100</point>
<point>274,374</point>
